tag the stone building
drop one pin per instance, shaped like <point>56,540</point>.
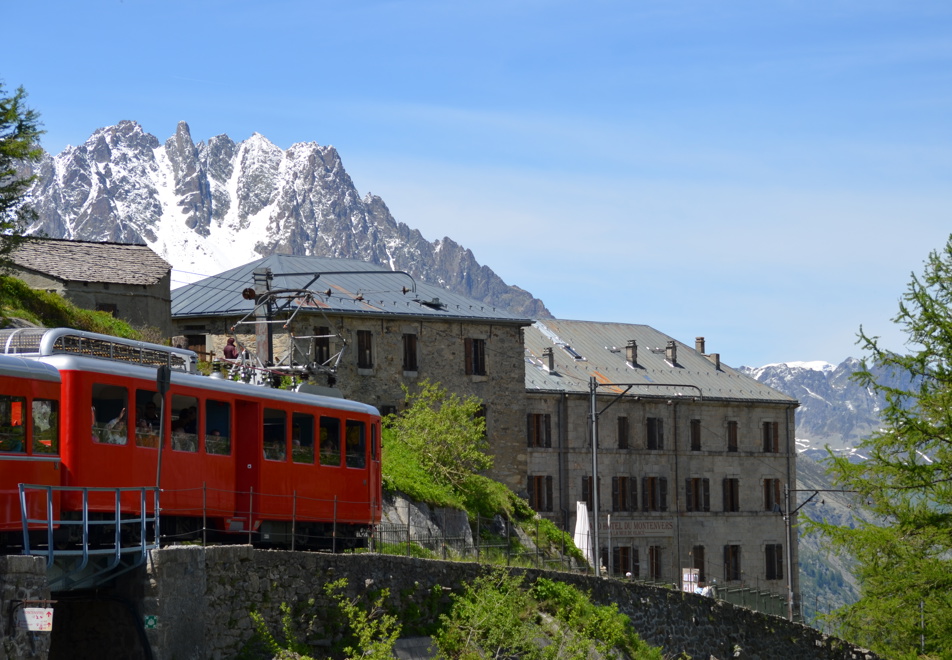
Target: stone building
<point>693,458</point>
<point>368,331</point>
<point>130,281</point>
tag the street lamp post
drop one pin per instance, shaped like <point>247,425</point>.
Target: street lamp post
<point>593,386</point>
<point>788,514</point>
<point>593,389</point>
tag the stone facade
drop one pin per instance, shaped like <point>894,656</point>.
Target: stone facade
<point>130,281</point>
<point>684,535</point>
<point>685,476</point>
<point>139,305</point>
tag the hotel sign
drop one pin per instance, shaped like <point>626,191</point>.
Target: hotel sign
<point>638,528</point>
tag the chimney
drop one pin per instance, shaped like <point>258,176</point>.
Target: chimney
<point>631,352</point>
<point>699,345</point>
<point>716,359</point>
<point>549,356</point>
<point>671,352</point>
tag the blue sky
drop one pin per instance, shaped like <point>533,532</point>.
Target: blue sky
<point>765,174</point>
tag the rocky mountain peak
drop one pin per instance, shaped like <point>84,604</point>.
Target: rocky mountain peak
<point>208,207</point>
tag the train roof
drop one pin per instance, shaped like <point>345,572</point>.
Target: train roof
<point>50,341</point>
<point>17,367</point>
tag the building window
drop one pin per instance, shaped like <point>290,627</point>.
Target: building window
<point>475,356</point>
<point>109,308</point>
<point>409,352</point>
<point>654,563</point>
<point>771,437</point>
<point>540,492</point>
<point>731,436</point>
<point>695,435</point>
<point>654,494</point>
<point>655,433</point>
<point>773,558</point>
<point>365,351</point>
<point>587,491</point>
<point>697,556</point>
<point>623,494</point>
<point>623,433</point>
<point>621,560</point>
<point>322,345</point>
<point>732,562</point>
<point>731,494</point>
<point>538,430</point>
<point>772,501</point>
<point>697,494</point>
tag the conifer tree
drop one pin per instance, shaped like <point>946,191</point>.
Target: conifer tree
<point>905,555</point>
<point>19,146</point>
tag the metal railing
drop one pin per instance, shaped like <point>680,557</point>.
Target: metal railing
<point>490,540</point>
<point>85,545</point>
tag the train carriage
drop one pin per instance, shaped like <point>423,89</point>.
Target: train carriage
<point>228,456</point>
<point>29,436</point>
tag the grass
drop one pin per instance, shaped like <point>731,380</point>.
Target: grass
<point>17,300</point>
<point>479,496</point>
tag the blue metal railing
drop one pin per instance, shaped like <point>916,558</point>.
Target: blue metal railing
<point>122,540</point>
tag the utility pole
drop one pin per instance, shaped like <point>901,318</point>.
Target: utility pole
<point>264,335</point>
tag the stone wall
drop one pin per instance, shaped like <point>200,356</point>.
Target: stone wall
<point>201,599</point>
<point>22,578</point>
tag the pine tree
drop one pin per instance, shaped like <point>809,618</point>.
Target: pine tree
<point>905,556</point>
<point>19,146</point>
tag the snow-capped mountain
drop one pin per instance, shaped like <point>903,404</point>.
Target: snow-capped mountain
<point>206,208</point>
<point>834,410</point>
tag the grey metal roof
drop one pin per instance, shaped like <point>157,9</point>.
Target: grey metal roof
<point>81,261</point>
<point>583,349</point>
<point>343,286</point>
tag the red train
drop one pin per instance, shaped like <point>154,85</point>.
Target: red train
<point>83,410</point>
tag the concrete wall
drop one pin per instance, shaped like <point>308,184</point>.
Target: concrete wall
<point>201,598</point>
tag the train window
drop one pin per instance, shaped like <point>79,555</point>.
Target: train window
<point>356,444</point>
<point>109,405</point>
<point>45,426</point>
<point>184,423</point>
<point>218,428</point>
<point>275,434</point>
<point>11,423</point>
<point>147,418</point>
<point>330,441</point>
<point>302,438</point>
<point>373,441</point>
